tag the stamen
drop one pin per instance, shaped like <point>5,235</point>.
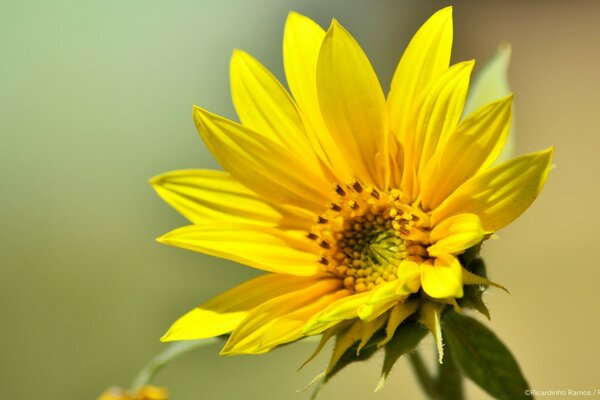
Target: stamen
<point>356,185</point>
<point>417,250</point>
<point>366,233</point>
<point>335,207</point>
<point>321,220</point>
<point>311,236</point>
<point>323,244</point>
<point>403,230</point>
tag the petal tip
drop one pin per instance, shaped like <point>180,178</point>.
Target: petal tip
<point>166,338</point>
<point>197,112</point>
<point>444,14</point>
<point>335,27</point>
<point>163,239</point>
<point>156,180</point>
<point>294,15</point>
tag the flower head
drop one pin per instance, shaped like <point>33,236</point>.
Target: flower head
<point>143,393</point>
<point>359,206</point>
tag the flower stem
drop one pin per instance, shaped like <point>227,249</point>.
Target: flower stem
<point>172,351</point>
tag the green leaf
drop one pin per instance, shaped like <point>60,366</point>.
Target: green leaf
<point>407,337</point>
<point>483,358</point>
<point>423,375</point>
<point>449,382</point>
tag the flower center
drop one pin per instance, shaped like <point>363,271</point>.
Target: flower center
<point>366,234</point>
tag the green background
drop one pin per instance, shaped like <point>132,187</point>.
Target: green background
<point>96,97</point>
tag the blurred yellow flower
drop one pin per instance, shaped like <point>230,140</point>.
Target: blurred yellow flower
<point>356,204</point>
<point>144,393</point>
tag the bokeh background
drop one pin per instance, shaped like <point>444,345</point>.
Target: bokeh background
<point>95,98</point>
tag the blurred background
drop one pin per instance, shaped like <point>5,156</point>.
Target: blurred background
<point>96,97</point>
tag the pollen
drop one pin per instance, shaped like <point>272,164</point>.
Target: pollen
<point>366,233</point>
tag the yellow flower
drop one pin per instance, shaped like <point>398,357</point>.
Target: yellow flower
<point>356,205</point>
<point>144,393</point>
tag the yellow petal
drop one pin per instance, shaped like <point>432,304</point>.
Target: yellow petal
<point>205,195</point>
<point>149,392</point>
<point>223,313</point>
<point>261,164</point>
<point>489,85</point>
<point>386,295</point>
<point>474,145</point>
<point>499,195</point>
<point>281,320</point>
<point>261,247</point>
<point>426,57</point>
<point>442,107</point>
<point>340,310</point>
<point>439,112</point>
<point>398,314</point>
<point>370,312</point>
<point>456,234</point>
<point>264,106</point>
<point>443,279</point>
<point>353,105</point>
<point>430,317</point>
<point>302,40</point>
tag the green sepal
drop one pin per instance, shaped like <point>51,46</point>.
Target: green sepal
<point>468,260</point>
<point>351,355</point>
<point>472,297</point>
<point>483,358</point>
<point>407,337</point>
<point>473,294</point>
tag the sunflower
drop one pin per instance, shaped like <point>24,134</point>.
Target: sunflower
<point>357,205</point>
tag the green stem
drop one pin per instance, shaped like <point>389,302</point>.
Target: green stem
<point>172,351</point>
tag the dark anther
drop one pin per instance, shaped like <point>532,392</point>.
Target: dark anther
<point>339,190</point>
<point>321,220</point>
<point>311,236</point>
<point>324,261</point>
<point>335,207</point>
<point>323,244</point>
<point>357,186</point>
